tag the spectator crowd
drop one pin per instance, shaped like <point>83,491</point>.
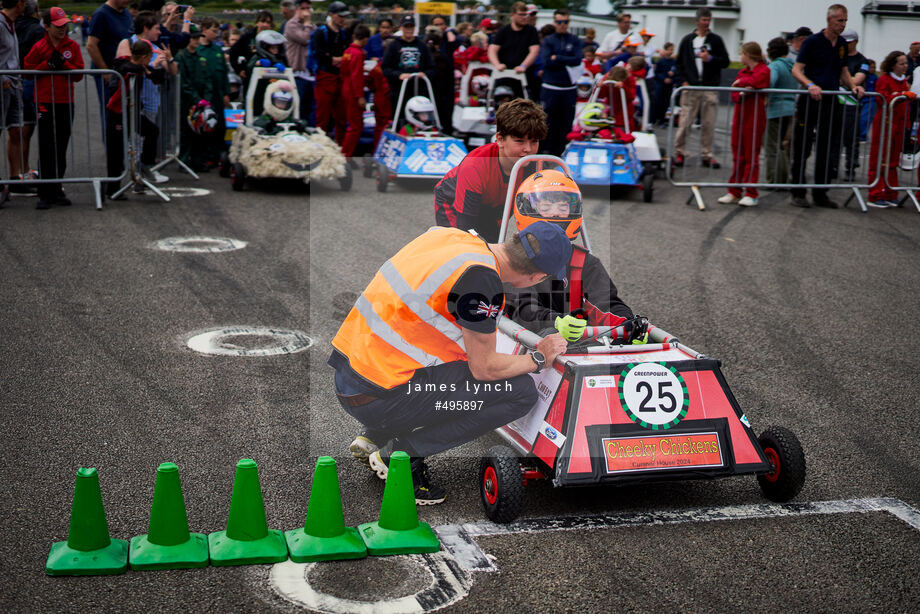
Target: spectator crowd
<point>353,65</point>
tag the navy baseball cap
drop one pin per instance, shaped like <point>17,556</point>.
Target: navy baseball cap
<point>555,248</point>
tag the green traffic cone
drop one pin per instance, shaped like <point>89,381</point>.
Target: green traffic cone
<point>247,540</point>
<point>88,550</point>
<point>398,531</point>
<point>324,536</point>
<point>168,543</point>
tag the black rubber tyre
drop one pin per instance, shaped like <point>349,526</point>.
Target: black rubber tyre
<point>346,182</point>
<point>648,186</point>
<point>383,177</point>
<point>501,485</point>
<point>237,177</point>
<point>223,164</point>
<point>368,170</point>
<point>784,452</point>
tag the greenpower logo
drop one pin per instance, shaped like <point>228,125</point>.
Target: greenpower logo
<point>653,395</point>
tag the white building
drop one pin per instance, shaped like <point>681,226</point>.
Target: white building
<point>883,25</point>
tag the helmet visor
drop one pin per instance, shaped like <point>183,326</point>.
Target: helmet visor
<point>549,205</point>
<point>282,100</point>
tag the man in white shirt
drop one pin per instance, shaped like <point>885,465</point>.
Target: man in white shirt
<point>612,43</point>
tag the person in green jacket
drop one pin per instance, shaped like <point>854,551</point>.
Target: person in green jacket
<point>216,85</point>
<point>194,87</point>
<point>780,109</point>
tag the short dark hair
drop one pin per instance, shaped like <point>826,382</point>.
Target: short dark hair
<point>517,257</point>
<point>265,16</point>
<point>206,23</point>
<point>777,48</point>
<point>521,118</point>
<point>703,11</point>
<point>890,60</point>
<point>144,20</point>
<point>140,49</point>
<point>385,20</point>
<point>563,12</point>
<point>361,31</point>
<point>439,17</point>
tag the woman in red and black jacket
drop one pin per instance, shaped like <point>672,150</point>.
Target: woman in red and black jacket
<point>54,99</point>
<point>890,85</point>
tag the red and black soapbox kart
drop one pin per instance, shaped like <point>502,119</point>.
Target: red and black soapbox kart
<point>616,414</point>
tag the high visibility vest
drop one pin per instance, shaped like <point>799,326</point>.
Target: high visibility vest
<point>400,322</point>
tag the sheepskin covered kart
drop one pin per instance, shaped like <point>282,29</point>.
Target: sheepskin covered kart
<point>288,154</point>
<point>274,143</point>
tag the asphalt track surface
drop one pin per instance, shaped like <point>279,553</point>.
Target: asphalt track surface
<point>812,312</point>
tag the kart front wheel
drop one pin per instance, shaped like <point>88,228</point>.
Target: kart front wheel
<point>368,170</point>
<point>383,177</point>
<point>501,484</point>
<point>648,186</point>
<point>784,452</point>
<point>223,164</point>
<point>237,177</point>
<point>346,181</point>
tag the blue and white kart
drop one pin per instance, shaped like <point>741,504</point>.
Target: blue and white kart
<point>424,155</point>
<point>602,161</point>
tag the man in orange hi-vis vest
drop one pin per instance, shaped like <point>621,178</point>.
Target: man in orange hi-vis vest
<point>415,358</point>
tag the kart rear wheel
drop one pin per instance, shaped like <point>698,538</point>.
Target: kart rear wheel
<point>223,164</point>
<point>783,450</point>
<point>383,177</point>
<point>368,170</point>
<point>648,186</point>
<point>346,181</point>
<point>501,484</point>
<point>237,177</point>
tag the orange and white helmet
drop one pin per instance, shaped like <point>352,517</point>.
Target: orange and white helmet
<point>549,196</point>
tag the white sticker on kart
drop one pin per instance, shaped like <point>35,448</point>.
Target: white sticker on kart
<point>606,359</point>
<point>653,395</point>
<point>547,383</point>
<point>555,437</point>
<point>601,381</point>
<point>415,161</point>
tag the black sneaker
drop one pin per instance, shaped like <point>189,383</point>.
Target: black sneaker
<point>62,201</point>
<point>44,204</point>
<point>826,203</point>
<point>426,493</point>
<point>800,201</point>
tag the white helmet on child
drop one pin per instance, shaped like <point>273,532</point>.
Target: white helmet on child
<point>267,38</point>
<point>479,85</point>
<point>420,113</point>
<point>279,100</point>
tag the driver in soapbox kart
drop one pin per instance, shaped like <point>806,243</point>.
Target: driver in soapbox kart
<point>588,297</point>
<point>277,110</point>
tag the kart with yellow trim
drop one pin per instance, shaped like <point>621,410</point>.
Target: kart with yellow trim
<point>611,411</point>
<point>426,153</point>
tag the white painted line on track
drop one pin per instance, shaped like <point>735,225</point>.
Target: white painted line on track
<point>184,192</point>
<point>460,540</point>
<point>207,245</point>
<point>448,584</point>
<point>213,341</point>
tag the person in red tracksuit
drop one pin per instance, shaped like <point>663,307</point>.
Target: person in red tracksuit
<point>352,72</point>
<point>328,43</point>
<point>891,84</point>
<point>54,98</point>
<point>610,96</point>
<point>748,124</point>
<point>377,83</point>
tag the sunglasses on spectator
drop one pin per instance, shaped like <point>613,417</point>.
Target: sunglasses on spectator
<point>562,21</point>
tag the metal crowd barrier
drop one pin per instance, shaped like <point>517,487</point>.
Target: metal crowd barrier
<point>83,162</point>
<point>170,119</point>
<point>906,167</point>
<point>789,150</point>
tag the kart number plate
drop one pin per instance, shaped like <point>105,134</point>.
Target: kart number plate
<point>653,395</point>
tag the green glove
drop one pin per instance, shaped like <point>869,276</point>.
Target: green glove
<point>571,327</point>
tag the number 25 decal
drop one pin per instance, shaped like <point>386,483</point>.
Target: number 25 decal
<point>653,395</point>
